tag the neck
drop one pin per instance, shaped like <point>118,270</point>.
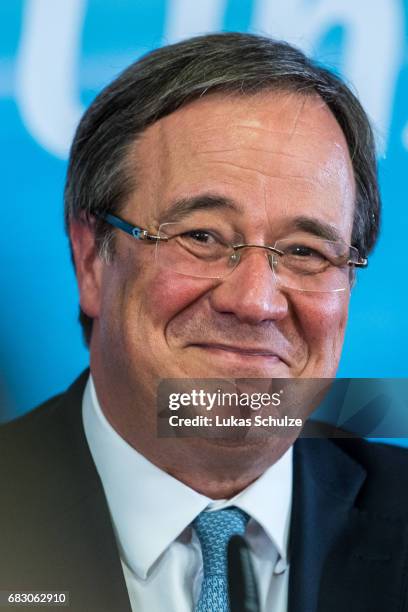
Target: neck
<point>215,467</point>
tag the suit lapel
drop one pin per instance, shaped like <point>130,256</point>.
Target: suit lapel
<point>342,559</point>
<point>79,522</point>
<point>93,572</point>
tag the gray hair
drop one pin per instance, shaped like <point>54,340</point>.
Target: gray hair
<point>98,178</point>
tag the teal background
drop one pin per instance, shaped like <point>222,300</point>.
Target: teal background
<point>55,55</point>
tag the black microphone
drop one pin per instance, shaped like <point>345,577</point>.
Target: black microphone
<point>243,592</point>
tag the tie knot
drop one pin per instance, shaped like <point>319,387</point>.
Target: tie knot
<point>214,530</point>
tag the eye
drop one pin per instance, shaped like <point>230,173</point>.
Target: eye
<point>200,235</point>
<point>203,237</point>
<point>301,250</point>
<point>202,243</point>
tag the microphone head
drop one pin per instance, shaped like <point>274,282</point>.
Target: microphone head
<point>242,585</point>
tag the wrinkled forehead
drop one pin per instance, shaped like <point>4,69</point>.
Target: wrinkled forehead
<point>259,141</point>
<point>218,120</point>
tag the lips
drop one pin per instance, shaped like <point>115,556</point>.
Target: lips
<point>241,350</point>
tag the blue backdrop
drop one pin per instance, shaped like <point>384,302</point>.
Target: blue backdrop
<point>55,55</point>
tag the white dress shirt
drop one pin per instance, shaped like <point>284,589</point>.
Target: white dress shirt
<point>152,513</point>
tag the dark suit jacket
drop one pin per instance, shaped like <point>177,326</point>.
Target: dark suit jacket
<point>348,536</point>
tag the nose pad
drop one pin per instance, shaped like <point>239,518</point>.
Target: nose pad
<point>272,260</point>
<point>234,259</point>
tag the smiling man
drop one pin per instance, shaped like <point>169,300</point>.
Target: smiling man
<point>221,194</point>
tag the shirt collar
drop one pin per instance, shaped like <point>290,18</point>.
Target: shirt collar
<point>149,508</point>
<point>268,501</point>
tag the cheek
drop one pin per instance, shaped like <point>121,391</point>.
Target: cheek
<point>323,321</point>
<point>163,295</point>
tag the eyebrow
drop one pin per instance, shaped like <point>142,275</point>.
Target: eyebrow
<point>181,208</point>
<point>316,227</point>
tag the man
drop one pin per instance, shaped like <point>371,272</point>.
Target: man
<point>221,194</point>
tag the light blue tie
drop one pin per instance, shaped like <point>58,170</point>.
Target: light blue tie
<point>214,529</point>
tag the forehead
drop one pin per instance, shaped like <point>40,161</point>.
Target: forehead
<point>267,152</point>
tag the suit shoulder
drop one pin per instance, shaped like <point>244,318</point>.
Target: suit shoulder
<point>30,418</point>
<point>43,428</point>
<point>376,455</point>
<point>336,462</point>
<point>386,466</point>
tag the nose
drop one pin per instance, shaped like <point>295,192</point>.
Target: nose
<point>250,292</point>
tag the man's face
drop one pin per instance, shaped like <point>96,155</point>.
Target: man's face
<point>276,158</point>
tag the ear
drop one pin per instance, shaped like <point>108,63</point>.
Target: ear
<point>88,267</point>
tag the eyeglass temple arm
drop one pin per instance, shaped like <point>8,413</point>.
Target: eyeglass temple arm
<point>362,263</point>
<point>137,232</point>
